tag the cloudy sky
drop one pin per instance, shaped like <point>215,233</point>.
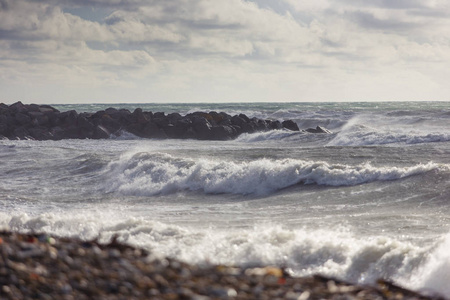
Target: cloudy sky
<point>74,51</point>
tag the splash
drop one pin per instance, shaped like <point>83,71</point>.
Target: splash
<point>148,174</point>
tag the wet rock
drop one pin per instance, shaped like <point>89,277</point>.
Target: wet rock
<point>23,119</point>
<point>318,129</point>
<point>43,122</point>
<point>291,125</point>
<point>201,127</point>
<point>153,131</point>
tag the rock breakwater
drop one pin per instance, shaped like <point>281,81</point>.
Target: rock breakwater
<point>44,122</point>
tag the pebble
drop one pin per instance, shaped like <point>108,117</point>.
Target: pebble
<point>37,266</point>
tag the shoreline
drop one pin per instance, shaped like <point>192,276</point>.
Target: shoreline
<point>41,266</point>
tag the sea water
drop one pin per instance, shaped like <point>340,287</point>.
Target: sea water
<point>371,200</point>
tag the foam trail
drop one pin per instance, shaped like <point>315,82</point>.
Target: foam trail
<point>148,174</point>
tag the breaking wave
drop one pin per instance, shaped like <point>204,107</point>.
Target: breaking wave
<point>148,174</point>
<point>337,252</point>
<point>369,138</point>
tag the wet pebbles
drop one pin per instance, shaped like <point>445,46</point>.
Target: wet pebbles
<point>39,266</point>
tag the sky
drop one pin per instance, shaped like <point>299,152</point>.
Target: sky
<point>110,51</point>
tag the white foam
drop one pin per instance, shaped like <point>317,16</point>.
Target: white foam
<point>434,275</point>
<point>268,136</point>
<point>337,252</point>
<point>366,130</point>
<point>147,174</point>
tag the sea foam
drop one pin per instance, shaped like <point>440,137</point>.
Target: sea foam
<point>148,174</point>
<point>332,252</point>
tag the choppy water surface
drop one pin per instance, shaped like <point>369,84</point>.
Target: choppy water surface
<point>370,200</point>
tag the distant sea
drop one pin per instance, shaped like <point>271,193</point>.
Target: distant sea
<point>371,200</point>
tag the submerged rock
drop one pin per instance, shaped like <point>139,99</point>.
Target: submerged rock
<point>43,122</point>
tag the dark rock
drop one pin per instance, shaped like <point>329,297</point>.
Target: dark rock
<point>291,125</point>
<point>274,125</point>
<point>40,133</point>
<point>110,124</point>
<point>218,118</point>
<point>135,128</point>
<point>72,132</point>
<point>244,123</point>
<point>57,133</point>
<point>201,127</point>
<point>45,122</point>
<point>318,129</point>
<point>23,119</point>
<point>100,132</point>
<point>3,119</point>
<point>69,118</point>
<point>3,129</point>
<point>111,111</point>
<point>223,133</point>
<point>179,129</point>
<point>261,125</point>
<point>32,107</point>
<point>237,120</point>
<point>21,133</point>
<point>52,116</point>
<point>151,130</point>
<point>84,124</point>
<point>139,116</point>
<point>3,107</point>
<point>159,115</point>
<point>174,117</point>
<point>190,134</point>
<point>47,108</point>
<point>38,118</point>
<point>161,121</point>
<point>246,119</point>
<point>17,107</point>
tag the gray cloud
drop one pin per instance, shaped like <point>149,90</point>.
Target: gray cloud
<point>370,21</point>
<point>387,4</point>
<point>233,43</point>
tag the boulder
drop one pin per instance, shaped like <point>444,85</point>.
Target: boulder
<point>47,109</point>
<point>318,129</point>
<point>21,133</point>
<point>139,117</point>
<point>201,127</point>
<point>38,118</point>
<point>274,125</point>
<point>100,132</point>
<point>223,133</point>
<point>32,107</point>
<point>18,107</point>
<point>44,122</point>
<point>179,129</point>
<point>40,133</point>
<point>23,119</point>
<point>112,125</point>
<point>291,125</point>
<point>151,130</point>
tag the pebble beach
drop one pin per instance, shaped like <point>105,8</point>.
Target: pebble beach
<point>39,266</point>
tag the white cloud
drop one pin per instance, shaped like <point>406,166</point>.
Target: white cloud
<point>303,50</point>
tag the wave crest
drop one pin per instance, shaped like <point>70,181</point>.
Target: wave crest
<point>149,174</point>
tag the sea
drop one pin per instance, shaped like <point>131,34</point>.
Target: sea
<point>370,200</point>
